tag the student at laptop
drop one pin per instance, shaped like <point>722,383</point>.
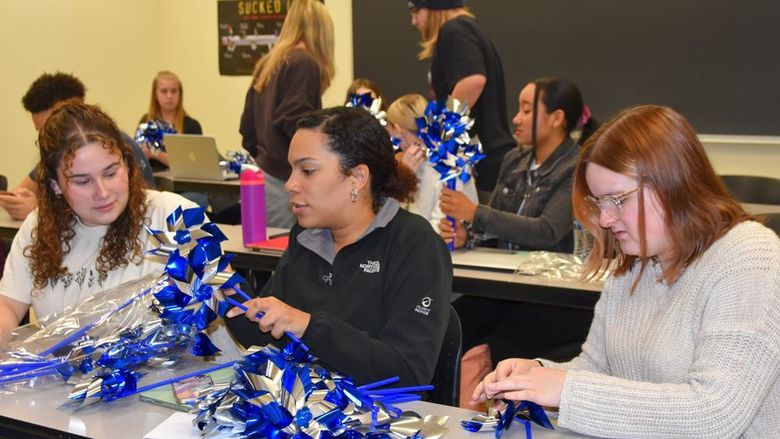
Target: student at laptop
<point>530,209</point>
<point>287,84</point>
<point>685,341</point>
<point>87,234</point>
<point>364,283</point>
<point>167,105</point>
<point>43,96</point>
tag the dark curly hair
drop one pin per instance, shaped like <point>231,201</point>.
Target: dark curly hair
<point>70,127</point>
<point>50,89</point>
<point>358,138</point>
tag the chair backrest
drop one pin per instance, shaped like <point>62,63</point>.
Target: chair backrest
<point>753,189</point>
<point>3,183</point>
<point>446,378</point>
<point>772,221</point>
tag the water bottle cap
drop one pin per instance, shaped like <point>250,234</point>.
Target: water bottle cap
<point>249,176</point>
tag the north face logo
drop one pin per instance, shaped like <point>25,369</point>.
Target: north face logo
<point>370,267</point>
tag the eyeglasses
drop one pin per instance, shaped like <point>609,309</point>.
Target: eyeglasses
<point>612,205</point>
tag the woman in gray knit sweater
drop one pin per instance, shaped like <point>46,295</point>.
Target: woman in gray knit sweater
<point>685,340</point>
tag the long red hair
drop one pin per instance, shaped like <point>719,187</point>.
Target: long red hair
<point>658,147</point>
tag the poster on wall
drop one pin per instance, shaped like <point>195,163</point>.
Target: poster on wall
<point>247,30</point>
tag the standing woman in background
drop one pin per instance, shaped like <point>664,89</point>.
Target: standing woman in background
<point>466,65</point>
<point>287,84</point>
<point>530,209</point>
<point>167,104</point>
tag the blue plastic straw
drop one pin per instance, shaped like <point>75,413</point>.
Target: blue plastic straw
<point>182,377</point>
<point>33,373</point>
<point>452,184</point>
<point>259,315</point>
<point>401,390</point>
<point>241,293</point>
<point>380,383</point>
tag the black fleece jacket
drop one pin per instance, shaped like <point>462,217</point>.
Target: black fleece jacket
<point>380,308</point>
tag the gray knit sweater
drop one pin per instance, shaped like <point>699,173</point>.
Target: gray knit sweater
<point>699,359</point>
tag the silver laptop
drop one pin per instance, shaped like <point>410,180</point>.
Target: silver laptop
<point>195,157</point>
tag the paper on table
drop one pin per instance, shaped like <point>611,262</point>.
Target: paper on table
<point>179,426</point>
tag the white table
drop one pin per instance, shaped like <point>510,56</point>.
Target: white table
<point>165,181</point>
<point>36,412</point>
<point>472,281</point>
<point>8,225</point>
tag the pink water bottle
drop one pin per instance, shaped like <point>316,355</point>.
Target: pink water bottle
<point>253,206</point>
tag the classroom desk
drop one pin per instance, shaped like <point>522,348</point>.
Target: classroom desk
<point>166,182</point>
<point>36,414</point>
<point>8,225</point>
<point>759,209</point>
<point>472,281</point>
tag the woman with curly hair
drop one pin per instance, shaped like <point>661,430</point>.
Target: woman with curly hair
<point>87,234</point>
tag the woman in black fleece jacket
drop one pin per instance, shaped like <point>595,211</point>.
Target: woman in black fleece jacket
<point>364,284</point>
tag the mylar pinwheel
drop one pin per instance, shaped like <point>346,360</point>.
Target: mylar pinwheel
<point>523,412</point>
<point>152,132</point>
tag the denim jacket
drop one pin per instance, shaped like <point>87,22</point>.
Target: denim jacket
<point>535,216</point>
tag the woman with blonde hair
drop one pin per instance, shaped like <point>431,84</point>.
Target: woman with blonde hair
<point>685,340</point>
<point>465,64</point>
<point>287,84</point>
<point>401,124</point>
<point>167,105</point>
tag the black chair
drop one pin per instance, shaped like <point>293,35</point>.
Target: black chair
<point>772,221</point>
<point>3,183</point>
<point>446,378</point>
<point>753,189</point>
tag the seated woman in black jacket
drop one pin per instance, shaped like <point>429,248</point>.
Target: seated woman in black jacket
<point>364,284</point>
<point>530,209</point>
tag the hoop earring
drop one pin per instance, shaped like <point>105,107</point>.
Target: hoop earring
<point>354,195</point>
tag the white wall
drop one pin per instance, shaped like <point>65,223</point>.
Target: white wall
<point>115,47</point>
<point>743,155</point>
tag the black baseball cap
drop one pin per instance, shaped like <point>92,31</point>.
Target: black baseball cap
<point>436,4</point>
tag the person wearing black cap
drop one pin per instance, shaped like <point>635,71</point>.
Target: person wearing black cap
<point>465,64</point>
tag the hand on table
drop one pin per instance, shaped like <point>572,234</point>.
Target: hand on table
<point>278,316</point>
<point>522,380</point>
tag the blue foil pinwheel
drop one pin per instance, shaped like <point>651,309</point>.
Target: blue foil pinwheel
<point>444,130</point>
<point>152,132</point>
<point>284,393</point>
<point>498,421</point>
<point>197,268</point>
<point>238,161</point>
<point>368,103</point>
